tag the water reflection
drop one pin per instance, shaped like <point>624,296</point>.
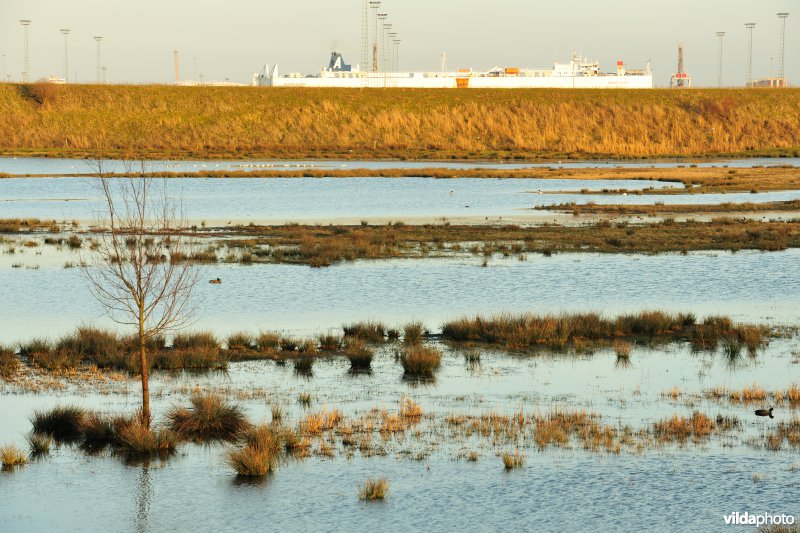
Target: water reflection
<point>144,497</point>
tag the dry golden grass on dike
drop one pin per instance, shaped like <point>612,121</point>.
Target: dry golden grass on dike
<point>165,121</point>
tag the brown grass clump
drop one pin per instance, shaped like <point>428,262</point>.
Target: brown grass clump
<point>209,417</point>
<point>63,423</point>
<point>329,343</point>
<point>368,331</point>
<point>788,432</point>
<point>9,363</point>
<point>409,409</point>
<point>622,349</point>
<point>519,332</point>
<point>136,439</point>
<point>793,395</point>
<point>240,341</point>
<point>268,341</point>
<point>12,456</point>
<point>373,489</point>
<point>39,443</point>
<point>420,361</point>
<point>679,428</point>
<point>258,457</point>
<point>202,340</point>
<point>359,354</point>
<point>413,333</point>
<point>513,460</point>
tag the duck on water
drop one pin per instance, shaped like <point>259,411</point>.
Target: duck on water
<point>764,412</point>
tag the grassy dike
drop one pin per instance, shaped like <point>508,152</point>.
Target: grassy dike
<point>238,122</point>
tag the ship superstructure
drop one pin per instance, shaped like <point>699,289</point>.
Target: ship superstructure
<point>578,73</point>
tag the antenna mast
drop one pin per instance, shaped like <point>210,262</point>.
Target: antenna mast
<point>65,33</point>
<point>26,74</point>
<point>750,26</point>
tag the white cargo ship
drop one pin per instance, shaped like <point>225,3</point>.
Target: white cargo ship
<point>578,73</point>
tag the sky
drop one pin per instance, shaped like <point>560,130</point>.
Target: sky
<point>231,39</point>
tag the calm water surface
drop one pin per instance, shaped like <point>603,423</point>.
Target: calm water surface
<point>40,165</point>
<point>329,199</point>
<point>752,286</point>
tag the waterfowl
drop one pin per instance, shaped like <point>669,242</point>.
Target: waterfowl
<point>764,412</point>
<point>215,281</point>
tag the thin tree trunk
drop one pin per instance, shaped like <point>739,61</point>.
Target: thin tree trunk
<point>145,378</point>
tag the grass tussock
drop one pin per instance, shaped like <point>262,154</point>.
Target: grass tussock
<point>39,444</point>
<point>359,354</point>
<point>135,439</point>
<point>240,341</point>
<point>373,489</point>
<point>370,331</point>
<point>209,417</point>
<point>107,120</point>
<point>521,332</point>
<point>697,427</point>
<point>785,432</point>
<point>413,333</point>
<point>329,343</point>
<point>420,361</point>
<point>263,445</point>
<point>12,456</point>
<point>9,363</point>
<point>513,460</point>
<point>63,423</point>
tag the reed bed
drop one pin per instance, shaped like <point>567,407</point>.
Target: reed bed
<point>94,432</point>
<point>28,225</point>
<point>565,331</point>
<point>108,350</point>
<point>660,209</point>
<point>97,120</point>
<point>347,243</point>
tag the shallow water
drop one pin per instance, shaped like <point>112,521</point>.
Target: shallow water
<point>667,488</point>
<point>321,199</point>
<point>554,492</point>
<point>329,199</point>
<point>41,165</point>
<point>748,285</point>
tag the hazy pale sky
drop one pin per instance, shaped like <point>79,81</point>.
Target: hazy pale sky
<point>234,38</point>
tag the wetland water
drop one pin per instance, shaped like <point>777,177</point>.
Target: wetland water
<point>665,489</point>
<point>749,285</point>
<point>322,200</point>
<point>42,165</point>
<point>669,488</point>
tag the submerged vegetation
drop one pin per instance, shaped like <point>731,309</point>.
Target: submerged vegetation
<point>54,120</point>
